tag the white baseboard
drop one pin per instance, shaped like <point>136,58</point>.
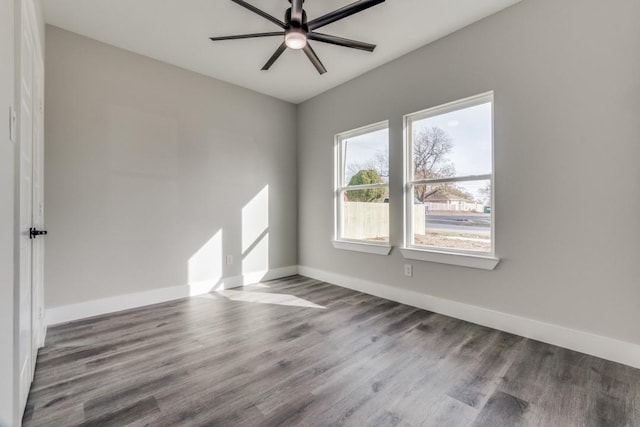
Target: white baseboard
<point>596,345</point>
<point>68,313</point>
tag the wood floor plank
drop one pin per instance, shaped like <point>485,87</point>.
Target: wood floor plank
<point>123,416</point>
<point>297,351</point>
<point>503,409</point>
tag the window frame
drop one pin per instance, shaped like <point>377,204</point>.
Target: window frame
<point>340,186</point>
<point>475,259</point>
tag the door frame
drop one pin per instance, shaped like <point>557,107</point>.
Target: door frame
<point>37,295</point>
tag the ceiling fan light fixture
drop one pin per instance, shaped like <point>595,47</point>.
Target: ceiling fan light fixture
<point>295,38</point>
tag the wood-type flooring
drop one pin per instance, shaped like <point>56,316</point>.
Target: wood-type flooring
<point>300,352</point>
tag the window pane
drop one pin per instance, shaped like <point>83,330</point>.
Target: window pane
<point>457,143</point>
<point>365,215</point>
<point>455,215</point>
<point>366,158</point>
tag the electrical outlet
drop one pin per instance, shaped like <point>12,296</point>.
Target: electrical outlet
<point>229,259</point>
<point>408,270</point>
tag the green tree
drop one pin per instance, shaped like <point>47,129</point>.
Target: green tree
<point>364,177</point>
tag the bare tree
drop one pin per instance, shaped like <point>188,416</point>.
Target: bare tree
<point>485,192</point>
<point>430,149</point>
<point>379,163</point>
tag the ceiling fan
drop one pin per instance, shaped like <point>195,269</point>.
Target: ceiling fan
<point>297,31</point>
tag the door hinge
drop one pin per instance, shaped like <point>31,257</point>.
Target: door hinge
<point>12,124</point>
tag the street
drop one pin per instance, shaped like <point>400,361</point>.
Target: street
<point>461,222</point>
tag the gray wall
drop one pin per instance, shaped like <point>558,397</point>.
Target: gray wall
<point>7,153</point>
<point>566,76</point>
<point>145,163</point>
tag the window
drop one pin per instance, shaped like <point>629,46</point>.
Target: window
<point>449,179</point>
<point>362,189</point>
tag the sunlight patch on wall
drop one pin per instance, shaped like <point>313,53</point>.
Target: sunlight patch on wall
<point>255,219</point>
<point>256,260</point>
<point>205,266</point>
<point>255,237</point>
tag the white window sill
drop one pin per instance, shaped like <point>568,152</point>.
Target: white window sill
<point>368,248</point>
<point>483,262</point>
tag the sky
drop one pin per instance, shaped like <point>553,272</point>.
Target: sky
<point>363,148</point>
<point>470,131</point>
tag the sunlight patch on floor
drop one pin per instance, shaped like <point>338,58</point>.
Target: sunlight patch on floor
<point>260,285</point>
<point>267,298</point>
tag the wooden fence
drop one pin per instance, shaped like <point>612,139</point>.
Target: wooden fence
<point>365,221</point>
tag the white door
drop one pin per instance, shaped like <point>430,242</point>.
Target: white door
<point>30,293</point>
<point>25,357</point>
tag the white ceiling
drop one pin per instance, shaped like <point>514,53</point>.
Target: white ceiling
<point>177,31</point>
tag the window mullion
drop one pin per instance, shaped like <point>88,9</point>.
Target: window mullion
<point>452,179</point>
<point>363,187</point>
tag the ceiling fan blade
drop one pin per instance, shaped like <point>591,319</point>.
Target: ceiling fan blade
<point>275,56</point>
<point>339,41</point>
<point>246,36</point>
<point>296,10</point>
<point>261,13</point>
<point>311,54</point>
<point>342,13</point>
